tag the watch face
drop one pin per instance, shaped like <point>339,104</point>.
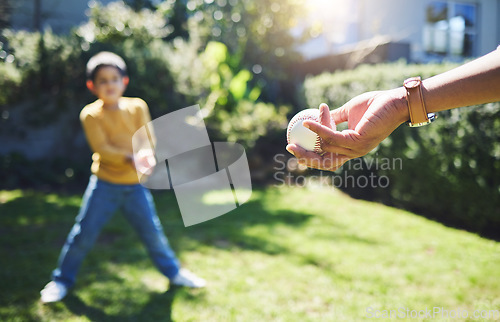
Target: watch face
<point>412,82</point>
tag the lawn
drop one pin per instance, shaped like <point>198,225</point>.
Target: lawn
<point>289,254</point>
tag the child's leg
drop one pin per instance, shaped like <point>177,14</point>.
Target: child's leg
<point>99,203</point>
<point>140,211</point>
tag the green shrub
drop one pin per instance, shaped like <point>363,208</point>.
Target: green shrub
<point>10,81</point>
<point>59,174</point>
<point>449,169</point>
<point>117,22</point>
<point>216,79</point>
<point>340,87</point>
<point>43,67</point>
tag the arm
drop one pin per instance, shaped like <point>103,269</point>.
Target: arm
<point>373,116</point>
<point>476,82</point>
<point>145,117</point>
<point>143,158</point>
<point>98,143</point>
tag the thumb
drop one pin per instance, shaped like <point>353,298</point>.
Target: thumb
<point>339,115</point>
<point>324,116</point>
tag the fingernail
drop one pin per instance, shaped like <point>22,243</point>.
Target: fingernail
<point>306,125</point>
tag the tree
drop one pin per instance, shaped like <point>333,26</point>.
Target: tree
<point>37,15</point>
<point>5,11</point>
<point>258,34</point>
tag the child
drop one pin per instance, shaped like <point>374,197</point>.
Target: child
<point>109,124</point>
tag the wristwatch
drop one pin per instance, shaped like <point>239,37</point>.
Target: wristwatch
<point>416,105</point>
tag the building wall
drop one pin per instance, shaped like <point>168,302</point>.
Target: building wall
<point>403,20</point>
<point>400,20</point>
<point>349,23</point>
<point>490,25</point>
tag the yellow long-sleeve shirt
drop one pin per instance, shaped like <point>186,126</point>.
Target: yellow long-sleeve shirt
<point>109,134</point>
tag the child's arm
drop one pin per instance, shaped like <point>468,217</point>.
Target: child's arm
<point>98,143</point>
<point>144,118</point>
<point>144,143</point>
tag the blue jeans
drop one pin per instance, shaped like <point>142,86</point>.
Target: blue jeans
<point>100,202</point>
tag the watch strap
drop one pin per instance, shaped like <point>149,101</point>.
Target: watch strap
<point>415,99</point>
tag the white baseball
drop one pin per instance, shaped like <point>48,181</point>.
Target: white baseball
<point>298,134</point>
<point>144,161</point>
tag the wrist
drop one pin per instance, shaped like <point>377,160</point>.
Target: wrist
<point>400,103</point>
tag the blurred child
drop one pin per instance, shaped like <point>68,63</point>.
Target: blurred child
<point>109,124</point>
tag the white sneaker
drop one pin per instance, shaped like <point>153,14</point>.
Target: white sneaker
<point>188,279</point>
<point>53,292</point>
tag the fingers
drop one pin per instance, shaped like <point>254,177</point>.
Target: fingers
<point>328,161</point>
<point>342,114</point>
<point>330,137</point>
<point>324,116</point>
<point>326,148</point>
<point>339,115</point>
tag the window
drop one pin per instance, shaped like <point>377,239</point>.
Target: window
<point>451,29</point>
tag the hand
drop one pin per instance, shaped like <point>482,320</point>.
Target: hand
<point>144,161</point>
<point>370,117</point>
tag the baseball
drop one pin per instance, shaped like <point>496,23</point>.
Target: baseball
<point>144,161</point>
<point>298,134</point>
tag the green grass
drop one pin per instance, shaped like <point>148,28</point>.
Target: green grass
<point>289,254</point>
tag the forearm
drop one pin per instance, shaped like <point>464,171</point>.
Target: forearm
<point>476,82</point>
<point>112,154</point>
<point>108,153</point>
<point>99,144</point>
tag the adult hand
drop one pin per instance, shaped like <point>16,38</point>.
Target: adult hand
<point>370,117</point>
